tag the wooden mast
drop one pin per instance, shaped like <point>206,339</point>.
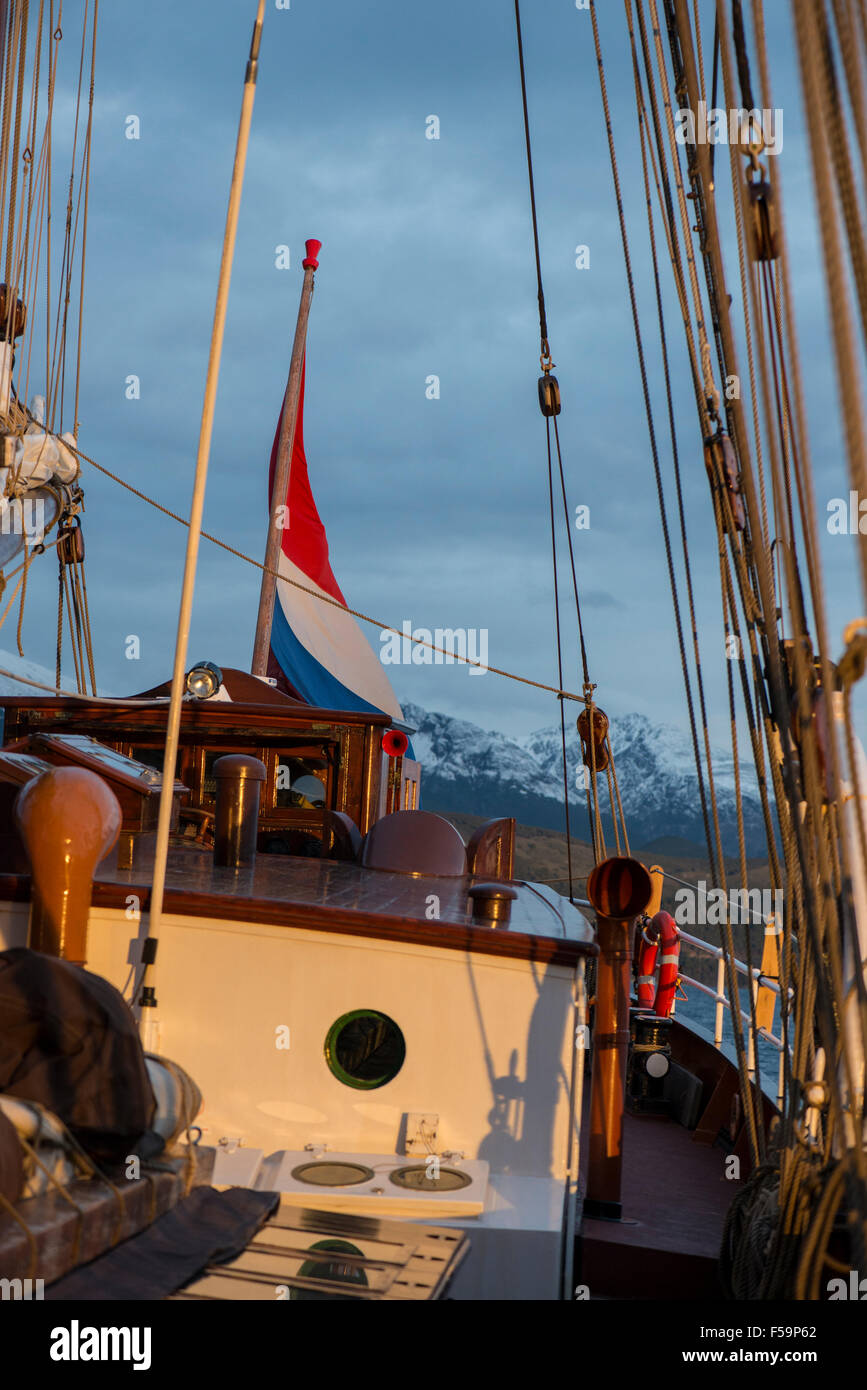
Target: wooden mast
<point>147,998</point>
<point>283,469</point>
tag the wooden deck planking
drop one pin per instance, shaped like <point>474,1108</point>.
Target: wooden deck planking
<point>675,1198</point>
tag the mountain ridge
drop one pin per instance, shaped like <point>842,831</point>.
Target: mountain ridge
<point>470,770</point>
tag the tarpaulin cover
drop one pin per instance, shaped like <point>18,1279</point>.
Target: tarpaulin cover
<point>208,1227</point>
<point>69,1040</point>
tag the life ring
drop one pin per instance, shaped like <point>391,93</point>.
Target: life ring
<point>659,931</point>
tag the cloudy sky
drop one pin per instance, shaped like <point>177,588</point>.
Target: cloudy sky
<point>436,510</point>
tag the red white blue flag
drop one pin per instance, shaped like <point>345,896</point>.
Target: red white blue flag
<point>318,647</point>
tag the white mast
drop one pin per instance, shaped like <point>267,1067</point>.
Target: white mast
<point>147,1000</point>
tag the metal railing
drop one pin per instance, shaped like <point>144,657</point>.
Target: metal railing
<point>723,1002</point>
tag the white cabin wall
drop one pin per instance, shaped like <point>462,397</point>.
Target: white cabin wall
<point>224,989</point>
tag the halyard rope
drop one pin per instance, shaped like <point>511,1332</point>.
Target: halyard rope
<point>323,598</point>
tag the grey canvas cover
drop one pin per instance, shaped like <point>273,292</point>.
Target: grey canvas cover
<point>69,1040</point>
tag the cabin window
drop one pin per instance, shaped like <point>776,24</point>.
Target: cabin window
<point>209,781</point>
<point>410,795</point>
<point>301,782</point>
<point>208,789</point>
<point>365,1049</point>
<point>154,757</point>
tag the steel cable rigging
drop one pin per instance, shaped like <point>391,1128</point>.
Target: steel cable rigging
<point>26,249</point>
<point>592,724</point>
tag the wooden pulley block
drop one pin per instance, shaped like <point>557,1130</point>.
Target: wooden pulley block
<point>19,317</point>
<point>765,240</point>
<point>549,394</point>
<point>593,744</point>
<point>70,546</point>
<point>819,715</point>
<point>721,461</point>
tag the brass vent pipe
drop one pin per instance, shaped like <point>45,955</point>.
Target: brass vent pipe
<point>619,890</point>
<point>239,779</point>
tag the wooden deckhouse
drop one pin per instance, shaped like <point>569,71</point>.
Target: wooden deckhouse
<point>325,769</point>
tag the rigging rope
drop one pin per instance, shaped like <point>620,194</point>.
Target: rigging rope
<point>323,598</point>
<point>818,921</point>
<point>703,798</point>
<point>545,351</point>
<point>812,844</point>
<point>550,408</point>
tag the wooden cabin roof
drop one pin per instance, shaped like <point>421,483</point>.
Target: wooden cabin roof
<point>283,889</point>
<point>333,896</point>
<point>207,716</point>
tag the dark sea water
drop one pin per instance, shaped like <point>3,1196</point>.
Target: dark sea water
<point>700,1009</point>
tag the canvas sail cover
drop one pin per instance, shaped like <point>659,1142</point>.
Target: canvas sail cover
<point>318,647</point>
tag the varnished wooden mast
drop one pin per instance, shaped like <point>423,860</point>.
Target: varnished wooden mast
<point>288,421</point>
<point>148,998</point>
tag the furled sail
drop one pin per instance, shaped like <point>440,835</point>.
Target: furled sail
<point>30,500</point>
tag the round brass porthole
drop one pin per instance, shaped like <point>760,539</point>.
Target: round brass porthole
<point>365,1049</point>
<point>419,1178</point>
<point>325,1174</point>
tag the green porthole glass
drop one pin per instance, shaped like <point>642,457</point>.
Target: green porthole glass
<point>365,1049</point>
<point>333,1271</point>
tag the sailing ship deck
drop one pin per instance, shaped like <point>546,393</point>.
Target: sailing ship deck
<point>675,1199</point>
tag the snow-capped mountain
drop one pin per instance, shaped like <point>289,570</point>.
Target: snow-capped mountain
<point>482,772</point>
<point>473,770</point>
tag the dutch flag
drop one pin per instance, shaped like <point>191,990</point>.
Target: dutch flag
<point>318,648</point>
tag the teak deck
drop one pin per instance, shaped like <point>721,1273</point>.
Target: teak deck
<point>675,1200</point>
<point>675,1192</point>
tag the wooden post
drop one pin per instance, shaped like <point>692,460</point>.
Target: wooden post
<point>766,999</point>
<point>619,890</point>
<point>283,469</point>
<point>657,878</point>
